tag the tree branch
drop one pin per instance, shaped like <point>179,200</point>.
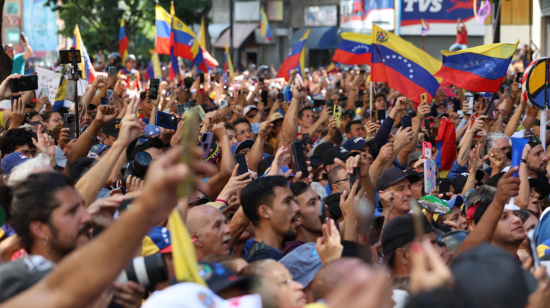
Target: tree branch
<point>93,24</point>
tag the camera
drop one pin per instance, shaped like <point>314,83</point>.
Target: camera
<point>147,271</point>
<point>138,166</point>
<point>25,83</point>
<point>70,119</point>
<point>70,56</point>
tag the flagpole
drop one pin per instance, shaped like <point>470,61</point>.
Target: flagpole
<point>370,96</point>
<point>543,120</point>
<point>423,43</point>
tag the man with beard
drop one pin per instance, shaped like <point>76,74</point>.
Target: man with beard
<point>209,230</point>
<point>536,160</point>
<point>309,203</point>
<point>269,204</point>
<point>49,216</point>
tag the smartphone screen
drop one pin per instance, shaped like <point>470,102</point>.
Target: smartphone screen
<point>406,121</point>
<point>380,116</point>
<point>470,101</point>
<point>299,158</point>
<point>264,96</point>
<point>358,104</point>
<point>444,188</point>
<point>356,175</point>
<point>243,166</point>
<point>154,88</point>
<point>280,97</point>
<point>111,70</point>
<point>427,150</point>
<point>330,103</point>
<point>337,115</point>
<point>491,111</point>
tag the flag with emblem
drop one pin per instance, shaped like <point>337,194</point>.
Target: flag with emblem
<point>405,67</point>
<point>478,69</point>
<point>353,49</point>
<point>228,65</point>
<point>184,44</point>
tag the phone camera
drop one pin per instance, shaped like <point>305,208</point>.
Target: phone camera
<point>70,119</point>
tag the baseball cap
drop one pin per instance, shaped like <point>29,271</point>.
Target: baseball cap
<point>358,143</point>
<point>130,57</point>
<point>303,263</point>
<point>219,277</point>
<point>350,112</point>
<point>457,201</point>
<point>391,176</point>
<point>242,145</point>
<point>336,152</point>
<point>112,128</point>
<point>156,241</point>
<point>95,150</point>
<point>19,275</point>
<point>151,129</point>
<point>414,156</point>
<point>322,148</point>
<point>192,295</point>
<point>60,158</point>
<point>275,116</point>
<point>541,186</point>
<point>414,175</point>
<point>398,232</point>
<point>12,160</point>
<point>248,108</point>
<point>492,277</point>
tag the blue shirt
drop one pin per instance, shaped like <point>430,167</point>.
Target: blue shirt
<point>18,64</point>
<point>456,170</point>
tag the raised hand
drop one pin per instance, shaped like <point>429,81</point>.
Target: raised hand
<point>235,184</point>
<point>403,137</point>
<point>280,157</point>
<point>428,271</point>
<point>44,143</point>
<point>508,186</point>
<point>100,81</point>
<point>329,246</point>
<point>17,115</point>
<point>106,113</point>
<point>129,125</point>
<point>265,129</point>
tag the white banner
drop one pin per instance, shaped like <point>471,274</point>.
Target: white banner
<point>48,80</point>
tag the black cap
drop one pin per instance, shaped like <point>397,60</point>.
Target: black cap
<point>414,174</point>
<point>322,148</point>
<point>391,176</point>
<point>315,161</point>
<point>219,277</point>
<point>336,152</point>
<point>112,128</point>
<point>492,277</point>
<point>541,186</point>
<point>399,232</point>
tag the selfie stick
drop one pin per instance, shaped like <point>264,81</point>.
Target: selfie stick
<point>75,74</point>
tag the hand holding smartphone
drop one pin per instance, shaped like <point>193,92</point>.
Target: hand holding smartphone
<point>337,114</point>
<point>299,158</point>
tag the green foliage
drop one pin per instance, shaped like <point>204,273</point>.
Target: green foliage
<point>99,21</point>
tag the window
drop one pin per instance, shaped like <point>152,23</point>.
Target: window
<point>12,35</point>
<point>321,16</point>
<point>12,8</point>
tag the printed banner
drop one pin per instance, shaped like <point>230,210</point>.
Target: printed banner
<point>441,15</point>
<point>362,14</point>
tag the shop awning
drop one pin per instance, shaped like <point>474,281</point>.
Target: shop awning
<point>240,33</point>
<point>319,38</point>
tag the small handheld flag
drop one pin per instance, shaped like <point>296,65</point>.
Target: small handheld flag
<point>264,25</point>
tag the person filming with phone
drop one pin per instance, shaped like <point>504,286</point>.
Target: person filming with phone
<point>18,60</point>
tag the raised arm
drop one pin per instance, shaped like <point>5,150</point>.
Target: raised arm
<point>513,124</point>
<point>464,152</point>
<point>217,182</point>
<point>422,111</point>
<point>257,151</point>
<point>290,122</point>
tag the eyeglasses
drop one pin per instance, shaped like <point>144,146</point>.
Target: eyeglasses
<point>248,130</point>
<point>29,153</point>
<point>57,120</point>
<point>533,192</point>
<point>346,179</point>
<point>505,149</point>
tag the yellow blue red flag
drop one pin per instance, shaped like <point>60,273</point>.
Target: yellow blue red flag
<point>353,49</point>
<point>295,60</point>
<point>86,67</point>
<point>405,67</point>
<point>228,65</point>
<point>264,25</point>
<point>163,22</point>
<point>184,44</point>
<point>210,61</point>
<point>123,41</point>
<point>478,69</point>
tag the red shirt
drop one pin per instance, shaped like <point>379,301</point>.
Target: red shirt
<point>462,37</point>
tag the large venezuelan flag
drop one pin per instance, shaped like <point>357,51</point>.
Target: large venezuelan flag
<point>210,61</point>
<point>296,59</point>
<point>185,44</point>
<point>264,25</point>
<point>406,68</point>
<point>228,65</point>
<point>354,49</point>
<point>163,22</point>
<point>86,67</point>
<point>122,41</point>
<point>478,69</point>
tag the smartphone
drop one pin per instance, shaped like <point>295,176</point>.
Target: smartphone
<point>264,96</point>
<point>299,158</point>
<point>179,109</point>
<point>444,188</point>
<point>330,103</point>
<point>337,114</point>
<point>255,128</point>
<point>205,143</point>
<point>14,99</point>
<point>201,112</point>
<point>429,175</point>
<point>470,101</point>
<point>166,120</point>
<point>424,97</point>
<point>243,166</point>
<point>358,104</point>
<point>427,150</point>
<point>25,83</point>
<point>44,92</point>
<point>201,77</point>
<point>305,138</point>
<point>449,92</point>
<point>104,101</point>
<point>323,213</point>
<point>519,79</point>
<point>356,175</point>
<point>380,116</point>
<point>280,97</point>
<point>111,70</point>
<point>406,121</point>
<point>491,111</point>
<point>154,88</point>
<point>318,103</point>
<point>69,122</point>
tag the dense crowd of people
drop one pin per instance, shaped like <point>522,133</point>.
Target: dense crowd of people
<point>342,228</point>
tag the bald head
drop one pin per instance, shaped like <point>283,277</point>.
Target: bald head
<point>208,227</point>
<point>333,273</point>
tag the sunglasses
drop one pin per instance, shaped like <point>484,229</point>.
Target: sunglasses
<point>346,179</point>
<point>534,139</point>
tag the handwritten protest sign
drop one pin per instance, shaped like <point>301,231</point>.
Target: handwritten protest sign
<point>49,80</point>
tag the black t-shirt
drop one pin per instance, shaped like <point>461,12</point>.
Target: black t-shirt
<point>267,253</point>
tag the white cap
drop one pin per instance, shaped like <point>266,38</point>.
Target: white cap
<point>187,294</point>
<point>248,108</point>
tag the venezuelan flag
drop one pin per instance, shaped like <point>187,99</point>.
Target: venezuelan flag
<point>210,61</point>
<point>264,25</point>
<point>163,22</point>
<point>185,45</point>
<point>60,96</point>
<point>86,67</point>
<point>424,27</point>
<point>122,40</point>
<point>153,69</point>
<point>406,68</point>
<point>478,69</point>
<point>333,68</point>
<point>228,65</point>
<point>354,49</point>
<point>295,60</point>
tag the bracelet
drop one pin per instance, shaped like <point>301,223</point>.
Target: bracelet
<point>90,134</point>
<point>524,161</point>
<point>470,181</point>
<point>221,200</point>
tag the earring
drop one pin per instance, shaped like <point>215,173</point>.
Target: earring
<point>46,242</point>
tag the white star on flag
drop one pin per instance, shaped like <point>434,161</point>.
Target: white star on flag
<point>409,65</point>
<point>411,76</point>
<point>411,71</point>
<point>405,60</point>
<point>393,56</point>
<point>400,58</point>
<point>388,57</point>
<point>157,129</point>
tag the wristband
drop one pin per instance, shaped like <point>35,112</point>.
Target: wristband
<point>524,161</point>
<point>221,200</point>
